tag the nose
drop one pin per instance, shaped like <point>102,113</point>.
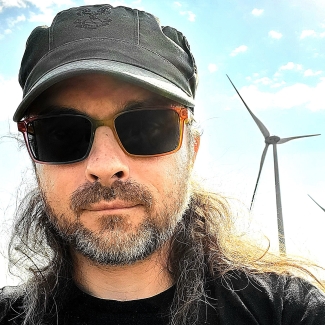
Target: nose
<point>107,162</point>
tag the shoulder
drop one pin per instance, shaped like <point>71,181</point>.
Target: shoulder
<point>10,302</point>
<point>268,299</point>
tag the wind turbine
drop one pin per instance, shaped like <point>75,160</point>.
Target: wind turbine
<point>317,203</point>
<point>273,140</point>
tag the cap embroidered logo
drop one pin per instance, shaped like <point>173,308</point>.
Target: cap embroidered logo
<point>93,19</point>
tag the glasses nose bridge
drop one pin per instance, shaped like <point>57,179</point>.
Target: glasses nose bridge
<point>106,122</point>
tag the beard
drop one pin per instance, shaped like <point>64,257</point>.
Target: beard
<point>117,242</point>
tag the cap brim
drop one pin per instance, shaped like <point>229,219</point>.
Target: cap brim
<point>126,72</point>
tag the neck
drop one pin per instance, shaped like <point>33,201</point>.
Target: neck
<point>140,280</point>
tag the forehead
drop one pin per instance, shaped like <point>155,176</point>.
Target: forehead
<point>96,95</point>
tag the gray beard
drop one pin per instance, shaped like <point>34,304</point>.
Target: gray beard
<point>115,247</point>
<point>116,243</point>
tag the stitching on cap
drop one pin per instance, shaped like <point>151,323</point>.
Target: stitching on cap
<point>138,28</point>
<point>51,34</point>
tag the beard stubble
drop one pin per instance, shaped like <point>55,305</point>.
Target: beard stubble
<point>117,242</point>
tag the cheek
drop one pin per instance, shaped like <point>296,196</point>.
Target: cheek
<point>166,173</point>
<point>57,184</point>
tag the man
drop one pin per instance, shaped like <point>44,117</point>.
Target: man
<point>117,232</point>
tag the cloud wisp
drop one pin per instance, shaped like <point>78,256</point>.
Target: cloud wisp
<point>257,12</point>
<point>311,73</point>
<point>291,66</point>
<point>239,49</point>
<point>311,33</point>
<point>189,14</point>
<point>212,67</point>
<point>288,97</point>
<point>274,34</point>
<point>14,21</point>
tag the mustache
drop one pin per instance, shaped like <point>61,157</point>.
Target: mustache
<point>129,191</point>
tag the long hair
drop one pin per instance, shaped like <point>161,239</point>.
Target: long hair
<point>203,245</point>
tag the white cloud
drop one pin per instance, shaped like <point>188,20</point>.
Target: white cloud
<point>317,100</point>
<point>275,34</point>
<point>46,17</point>
<point>239,49</point>
<point>308,33</point>
<point>291,66</point>
<point>257,12</point>
<point>310,73</point>
<point>13,3</point>
<point>277,84</point>
<point>287,97</point>
<point>177,4</point>
<point>212,67</point>
<point>43,4</point>
<point>13,21</point>
<point>8,31</point>
<point>45,7</point>
<point>311,33</point>
<point>10,94</point>
<point>190,15</point>
<point>264,81</point>
<point>288,66</point>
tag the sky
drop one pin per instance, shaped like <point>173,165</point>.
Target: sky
<point>274,52</point>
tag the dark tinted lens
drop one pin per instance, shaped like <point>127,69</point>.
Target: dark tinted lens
<point>148,132</point>
<point>59,139</point>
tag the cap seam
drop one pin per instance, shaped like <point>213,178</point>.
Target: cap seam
<point>138,28</point>
<point>51,33</point>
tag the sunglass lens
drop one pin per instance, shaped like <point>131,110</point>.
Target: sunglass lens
<point>148,132</point>
<point>59,139</point>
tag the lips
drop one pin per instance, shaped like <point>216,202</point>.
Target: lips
<point>113,205</point>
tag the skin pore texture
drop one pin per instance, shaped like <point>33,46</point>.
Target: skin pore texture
<point>119,238</point>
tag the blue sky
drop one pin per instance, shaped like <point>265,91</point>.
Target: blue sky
<point>274,53</point>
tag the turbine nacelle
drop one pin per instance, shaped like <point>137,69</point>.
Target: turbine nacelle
<point>273,139</point>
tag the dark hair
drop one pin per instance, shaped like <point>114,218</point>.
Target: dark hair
<point>204,244</point>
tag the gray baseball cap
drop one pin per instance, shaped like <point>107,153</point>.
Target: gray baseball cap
<point>127,43</point>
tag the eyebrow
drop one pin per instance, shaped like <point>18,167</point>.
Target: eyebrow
<point>128,106</point>
<point>57,110</point>
<point>148,102</point>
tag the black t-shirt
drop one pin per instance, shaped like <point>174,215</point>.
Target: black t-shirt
<point>85,309</point>
<point>235,299</point>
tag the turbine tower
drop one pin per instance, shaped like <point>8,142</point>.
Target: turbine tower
<point>317,203</point>
<point>274,141</point>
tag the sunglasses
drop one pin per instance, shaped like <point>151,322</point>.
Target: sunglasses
<point>68,138</point>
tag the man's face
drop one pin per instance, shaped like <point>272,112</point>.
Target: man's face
<point>111,207</point>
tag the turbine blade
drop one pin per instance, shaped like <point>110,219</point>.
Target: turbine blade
<point>260,125</point>
<point>284,140</point>
<point>259,174</point>
<point>317,203</point>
